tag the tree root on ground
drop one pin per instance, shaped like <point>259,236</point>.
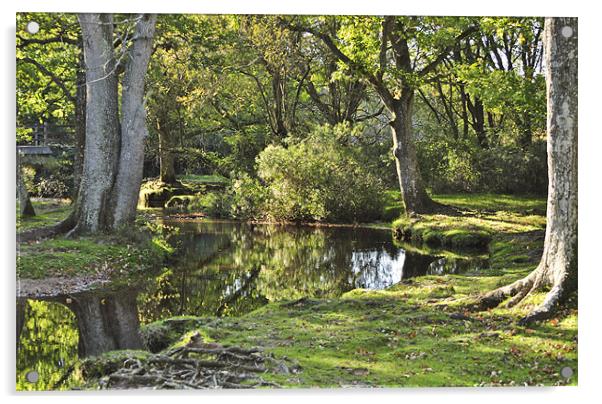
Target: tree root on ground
<point>39,233</point>
<point>519,290</point>
<point>198,368</point>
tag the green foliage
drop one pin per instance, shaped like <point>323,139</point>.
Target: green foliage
<point>318,179</point>
<point>39,98</point>
<point>49,177</point>
<point>452,166</point>
<point>48,345</point>
<point>213,204</point>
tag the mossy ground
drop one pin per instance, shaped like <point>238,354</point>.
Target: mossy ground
<point>418,333</point>
<point>82,256</point>
<point>125,253</point>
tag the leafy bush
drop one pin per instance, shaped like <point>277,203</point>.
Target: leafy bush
<point>248,198</point>
<point>318,179</point>
<point>213,204</point>
<point>49,177</point>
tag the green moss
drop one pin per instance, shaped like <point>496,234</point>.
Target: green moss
<point>406,337</point>
<point>477,219</point>
<point>108,362</point>
<point>159,335</point>
<point>156,194</point>
<point>180,202</point>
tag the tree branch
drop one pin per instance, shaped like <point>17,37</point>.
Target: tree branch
<point>55,79</point>
<point>379,86</point>
<point>24,42</point>
<point>443,55</point>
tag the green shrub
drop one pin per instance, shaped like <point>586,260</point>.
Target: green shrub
<point>244,200</point>
<point>319,179</point>
<point>248,198</point>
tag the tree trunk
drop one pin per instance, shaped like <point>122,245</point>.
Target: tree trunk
<point>526,131</point>
<point>558,266</point>
<point>101,154</point>
<point>133,123</point>
<point>113,156</point>
<point>413,193</point>
<point>80,120</point>
<point>167,171</point>
<point>25,206</point>
<point>478,120</point>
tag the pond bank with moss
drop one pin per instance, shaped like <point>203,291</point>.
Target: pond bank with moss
<point>417,332</point>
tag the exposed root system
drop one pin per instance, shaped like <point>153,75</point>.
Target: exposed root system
<point>214,367</point>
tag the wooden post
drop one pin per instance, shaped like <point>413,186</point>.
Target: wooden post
<point>35,135</point>
<point>45,132</point>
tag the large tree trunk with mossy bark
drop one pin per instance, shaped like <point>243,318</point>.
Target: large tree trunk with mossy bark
<point>558,266</point>
<point>113,158</point>
<point>413,192</point>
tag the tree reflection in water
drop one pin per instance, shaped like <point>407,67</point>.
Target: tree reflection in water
<point>226,268</point>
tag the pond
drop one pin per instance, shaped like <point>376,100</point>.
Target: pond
<point>224,269</point>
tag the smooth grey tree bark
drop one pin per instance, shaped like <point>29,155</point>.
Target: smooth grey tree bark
<point>114,147</point>
<point>133,123</point>
<point>80,119</point>
<point>558,266</point>
<point>101,156</point>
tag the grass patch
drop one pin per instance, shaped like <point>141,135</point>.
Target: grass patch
<point>479,218</point>
<point>85,256</point>
<point>122,255</point>
<point>406,336</point>
<point>48,212</point>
